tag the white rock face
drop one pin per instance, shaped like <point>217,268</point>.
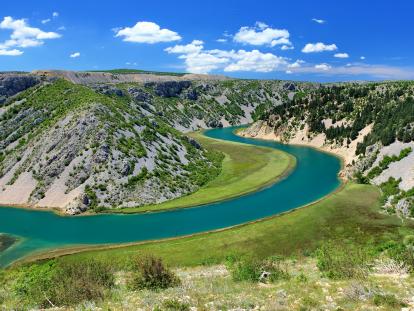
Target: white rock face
<point>403,169</point>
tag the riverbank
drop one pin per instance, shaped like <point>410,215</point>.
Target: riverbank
<point>132,229</point>
<point>352,212</point>
<point>245,169</point>
<point>262,130</point>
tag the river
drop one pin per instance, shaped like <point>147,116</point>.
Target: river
<point>315,175</point>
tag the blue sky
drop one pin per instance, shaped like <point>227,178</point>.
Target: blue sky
<point>298,40</point>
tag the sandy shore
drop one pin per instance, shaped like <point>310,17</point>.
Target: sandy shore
<point>347,153</point>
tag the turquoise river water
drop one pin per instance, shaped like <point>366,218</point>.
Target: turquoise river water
<point>315,175</point>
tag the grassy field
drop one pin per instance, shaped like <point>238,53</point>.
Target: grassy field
<point>245,169</point>
<point>351,213</point>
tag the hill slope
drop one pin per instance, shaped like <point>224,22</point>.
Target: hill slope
<point>64,145</point>
<point>371,125</point>
<point>96,144</point>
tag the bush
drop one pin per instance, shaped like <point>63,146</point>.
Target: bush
<point>33,284</point>
<point>62,283</point>
<point>173,305</point>
<point>360,178</point>
<point>388,300</point>
<point>81,281</point>
<point>276,268</point>
<point>402,253</point>
<point>247,269</point>
<point>150,273</point>
<point>342,261</point>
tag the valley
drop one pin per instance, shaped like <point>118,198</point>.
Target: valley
<point>156,164</point>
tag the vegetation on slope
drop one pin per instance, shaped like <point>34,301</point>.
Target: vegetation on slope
<point>359,120</point>
<point>389,106</point>
<point>245,169</point>
<point>59,128</point>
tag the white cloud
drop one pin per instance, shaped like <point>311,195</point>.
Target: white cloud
<point>23,36</point>
<point>319,21</point>
<point>75,55</point>
<point>359,69</point>
<point>341,55</point>
<point>362,57</point>
<point>296,64</point>
<point>286,47</point>
<point>198,60</point>
<point>194,47</point>
<point>262,34</point>
<point>322,67</point>
<point>147,32</point>
<point>47,20</point>
<point>62,28</point>
<point>261,25</point>
<point>203,62</point>
<point>14,52</point>
<point>221,40</point>
<point>255,61</point>
<point>318,47</point>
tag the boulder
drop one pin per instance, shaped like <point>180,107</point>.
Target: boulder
<point>139,95</point>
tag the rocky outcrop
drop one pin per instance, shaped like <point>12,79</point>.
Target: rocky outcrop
<point>11,84</point>
<point>169,88</point>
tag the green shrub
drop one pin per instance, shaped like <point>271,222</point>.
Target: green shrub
<point>342,261</point>
<point>360,178</point>
<point>33,284</point>
<point>63,283</point>
<point>150,273</point>
<point>388,300</point>
<point>81,281</point>
<point>248,269</point>
<point>174,305</point>
<point>276,267</point>
<point>133,180</point>
<point>400,252</point>
<point>245,270</point>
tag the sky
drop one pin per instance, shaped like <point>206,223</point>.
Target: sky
<point>296,40</point>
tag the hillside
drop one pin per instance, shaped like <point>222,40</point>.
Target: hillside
<point>370,125</point>
<point>80,141</point>
<point>94,140</point>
